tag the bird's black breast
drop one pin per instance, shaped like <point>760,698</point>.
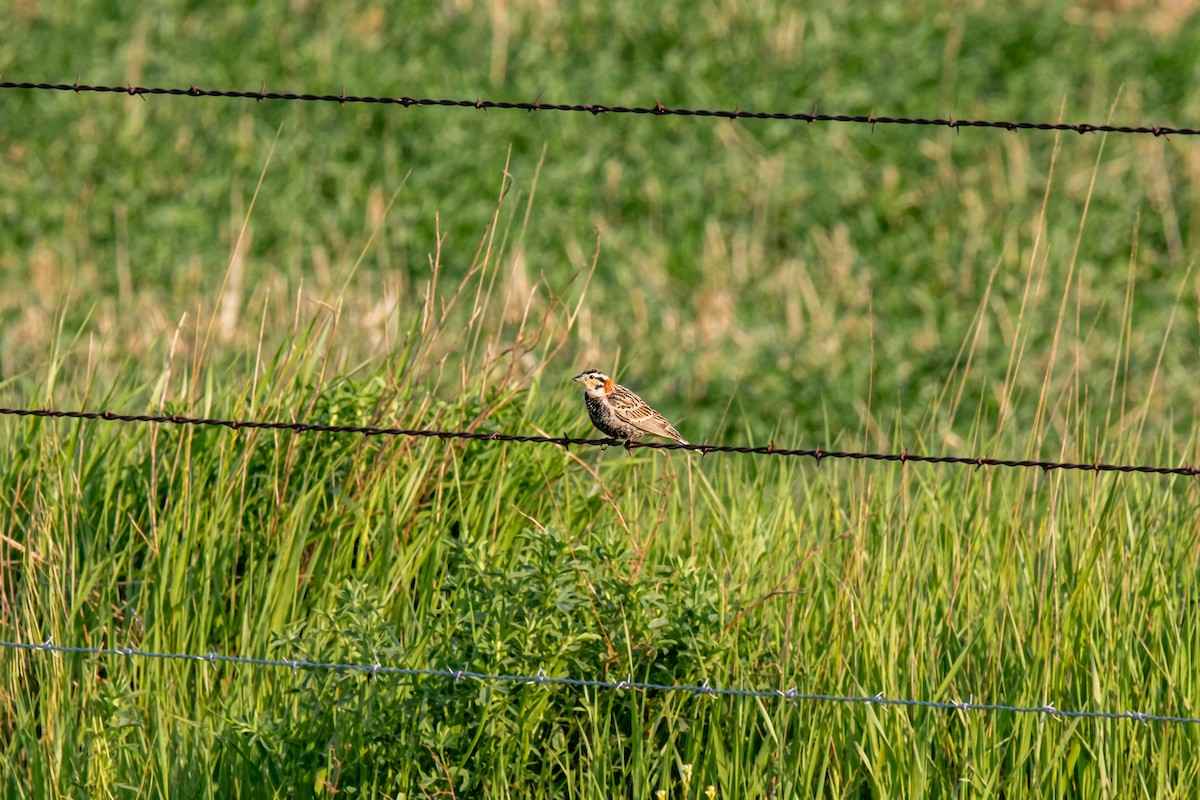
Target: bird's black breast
<point>604,418</point>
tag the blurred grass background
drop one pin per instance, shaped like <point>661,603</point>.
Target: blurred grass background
<point>752,260</point>
<point>826,285</point>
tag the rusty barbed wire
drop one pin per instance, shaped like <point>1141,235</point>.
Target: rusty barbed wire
<point>596,109</point>
<point>817,454</point>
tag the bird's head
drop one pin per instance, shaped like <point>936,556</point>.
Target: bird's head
<point>594,382</point>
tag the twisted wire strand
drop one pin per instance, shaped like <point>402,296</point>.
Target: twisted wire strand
<point>596,109</point>
<point>817,454</point>
<point>704,689</point>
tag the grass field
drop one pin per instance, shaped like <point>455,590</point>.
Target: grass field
<point>1020,295</point>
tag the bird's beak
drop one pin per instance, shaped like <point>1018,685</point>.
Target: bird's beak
<point>578,378</point>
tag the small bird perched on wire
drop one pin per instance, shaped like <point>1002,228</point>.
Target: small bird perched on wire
<point>620,413</point>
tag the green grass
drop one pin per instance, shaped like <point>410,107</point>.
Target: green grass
<point>980,293</point>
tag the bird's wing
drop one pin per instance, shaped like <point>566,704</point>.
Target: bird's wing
<point>634,410</point>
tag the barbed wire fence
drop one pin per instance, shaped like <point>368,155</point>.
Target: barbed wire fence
<point>704,689</point>
<point>595,109</point>
<point>817,454</point>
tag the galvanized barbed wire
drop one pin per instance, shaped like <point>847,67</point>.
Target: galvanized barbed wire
<point>817,454</point>
<point>703,689</point>
<point>595,109</point>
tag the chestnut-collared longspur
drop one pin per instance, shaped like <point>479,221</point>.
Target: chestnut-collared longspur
<point>620,413</point>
